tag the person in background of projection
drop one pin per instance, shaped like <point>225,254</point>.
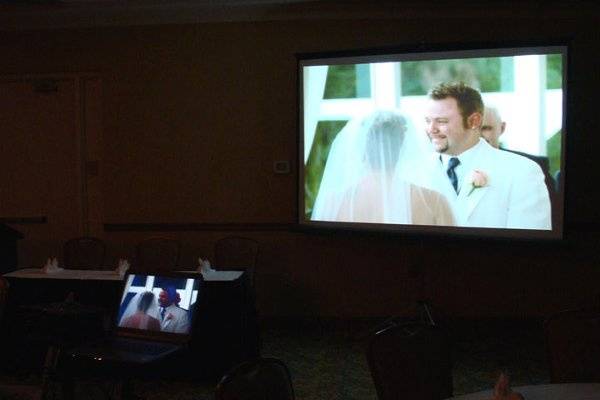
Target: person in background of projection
<point>383,192</point>
<point>141,318</point>
<point>493,127</point>
<point>173,318</point>
<point>485,186</point>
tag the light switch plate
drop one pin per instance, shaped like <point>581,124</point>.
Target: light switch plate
<point>281,167</point>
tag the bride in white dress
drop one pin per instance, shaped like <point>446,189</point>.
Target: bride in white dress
<point>368,177</point>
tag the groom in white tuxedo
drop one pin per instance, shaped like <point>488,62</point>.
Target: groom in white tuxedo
<point>172,317</point>
<point>485,186</point>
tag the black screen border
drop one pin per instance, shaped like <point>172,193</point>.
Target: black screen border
<point>421,232</point>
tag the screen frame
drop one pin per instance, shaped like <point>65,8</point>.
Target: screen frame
<point>425,52</point>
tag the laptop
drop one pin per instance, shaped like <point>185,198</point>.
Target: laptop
<point>154,319</point>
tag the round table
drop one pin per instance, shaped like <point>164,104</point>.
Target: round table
<point>559,391</point>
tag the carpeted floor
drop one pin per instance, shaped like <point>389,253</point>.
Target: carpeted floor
<point>327,359</point>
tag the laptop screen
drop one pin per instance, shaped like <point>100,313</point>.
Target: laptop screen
<point>158,305</point>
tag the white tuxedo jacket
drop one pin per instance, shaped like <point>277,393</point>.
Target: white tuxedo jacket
<point>515,195</point>
<point>176,320</point>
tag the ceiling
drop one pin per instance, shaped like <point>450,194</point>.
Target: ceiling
<point>19,15</point>
<point>53,14</point>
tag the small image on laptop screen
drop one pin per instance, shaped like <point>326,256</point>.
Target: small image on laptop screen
<point>158,303</point>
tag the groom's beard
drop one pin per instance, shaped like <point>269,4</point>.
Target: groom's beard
<point>442,148</point>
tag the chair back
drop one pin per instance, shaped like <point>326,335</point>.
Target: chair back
<point>411,361</point>
<point>84,253</point>
<point>573,345</point>
<point>157,255</point>
<point>260,379</point>
<point>237,253</point>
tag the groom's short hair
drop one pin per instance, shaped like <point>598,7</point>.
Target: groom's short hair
<point>468,99</point>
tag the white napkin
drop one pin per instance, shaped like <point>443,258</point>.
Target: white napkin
<point>204,266</point>
<point>122,266</point>
<point>51,266</point>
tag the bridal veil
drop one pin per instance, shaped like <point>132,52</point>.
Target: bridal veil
<point>134,306</point>
<point>368,172</point>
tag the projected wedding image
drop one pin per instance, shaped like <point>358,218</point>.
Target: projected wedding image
<point>442,141</point>
<point>157,303</point>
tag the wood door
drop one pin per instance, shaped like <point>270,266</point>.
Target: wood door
<point>43,147</point>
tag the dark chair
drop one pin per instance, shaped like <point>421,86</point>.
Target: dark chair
<point>84,253</point>
<point>237,253</point>
<point>157,255</point>
<point>411,361</point>
<point>573,345</point>
<point>260,379</point>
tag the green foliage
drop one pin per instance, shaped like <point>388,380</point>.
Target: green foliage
<point>313,172</point>
<point>487,74</point>
<point>347,81</point>
<point>554,71</point>
<point>553,149</point>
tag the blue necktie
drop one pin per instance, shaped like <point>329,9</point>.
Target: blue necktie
<point>452,164</point>
<point>162,313</point>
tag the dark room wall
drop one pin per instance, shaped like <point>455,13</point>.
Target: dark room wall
<point>195,115</point>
